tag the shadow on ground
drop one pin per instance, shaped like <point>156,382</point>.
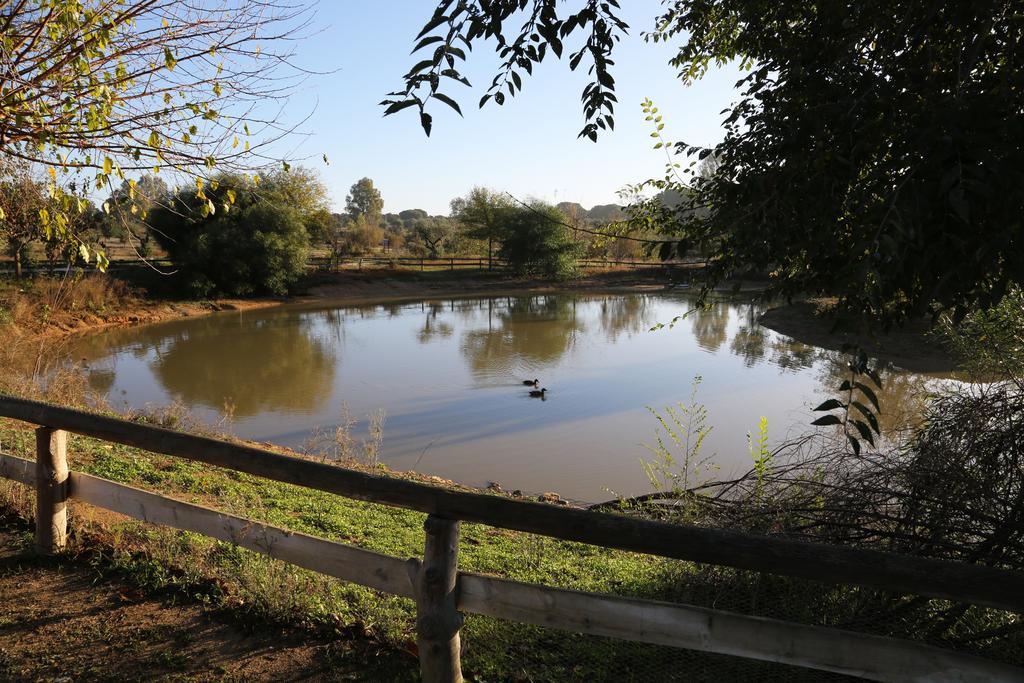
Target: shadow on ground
<point>60,620</point>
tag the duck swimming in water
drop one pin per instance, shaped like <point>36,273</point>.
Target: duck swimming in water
<point>531,382</point>
<point>538,393</point>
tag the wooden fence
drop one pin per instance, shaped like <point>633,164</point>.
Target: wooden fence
<point>442,593</point>
<point>471,263</point>
<point>327,263</point>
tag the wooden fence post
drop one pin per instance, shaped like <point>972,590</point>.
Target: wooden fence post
<point>437,620</point>
<point>51,490</point>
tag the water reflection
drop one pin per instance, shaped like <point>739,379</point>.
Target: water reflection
<point>271,365</point>
<point>709,325</point>
<point>625,315</point>
<point>448,374</point>
<point>532,333</point>
<point>274,364</point>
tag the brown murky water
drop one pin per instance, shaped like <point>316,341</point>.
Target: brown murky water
<point>448,375</point>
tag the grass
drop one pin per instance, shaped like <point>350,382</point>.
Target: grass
<point>34,303</point>
<point>230,577</point>
<point>254,586</point>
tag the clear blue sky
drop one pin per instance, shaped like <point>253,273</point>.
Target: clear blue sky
<point>528,147</point>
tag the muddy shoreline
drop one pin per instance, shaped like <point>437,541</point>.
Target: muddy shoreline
<point>351,288</point>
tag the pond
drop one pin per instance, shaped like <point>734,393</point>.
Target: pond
<point>448,376</point>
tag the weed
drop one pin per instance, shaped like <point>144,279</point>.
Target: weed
<point>759,452</point>
<point>686,427</point>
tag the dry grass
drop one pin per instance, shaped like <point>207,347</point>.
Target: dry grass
<point>33,304</point>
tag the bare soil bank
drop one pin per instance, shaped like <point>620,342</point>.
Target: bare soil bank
<point>347,288</point>
<point>63,620</point>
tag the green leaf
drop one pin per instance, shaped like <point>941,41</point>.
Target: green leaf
<point>427,41</point>
<point>866,390</point>
<point>830,404</point>
<point>868,415</point>
<point>826,420</point>
<point>435,21</point>
<point>399,106</point>
<point>449,101</point>
<point>864,431</point>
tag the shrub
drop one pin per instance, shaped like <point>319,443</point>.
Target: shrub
<point>536,241</point>
<point>258,245</point>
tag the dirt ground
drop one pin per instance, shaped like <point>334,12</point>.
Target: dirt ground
<point>60,620</point>
<point>350,287</point>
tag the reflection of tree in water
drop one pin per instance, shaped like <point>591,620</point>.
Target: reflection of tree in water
<point>753,343</point>
<point>709,324</point>
<point>750,339</point>
<point>432,327</point>
<point>790,354</point>
<point>534,331</point>
<point>270,364</point>
<point>101,379</point>
<point>624,314</point>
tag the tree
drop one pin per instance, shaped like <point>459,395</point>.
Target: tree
<point>874,153</point>
<point>536,241</point>
<point>322,226</point>
<point>483,214</point>
<point>126,211</point>
<point>432,235</point>
<point>22,198</point>
<point>361,236</point>
<point>365,200</point>
<point>109,87</point>
<point>410,216</point>
<point>257,243</point>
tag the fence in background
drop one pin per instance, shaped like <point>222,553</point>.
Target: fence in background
<point>442,592</point>
<point>327,263</point>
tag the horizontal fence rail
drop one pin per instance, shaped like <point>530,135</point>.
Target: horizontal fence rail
<point>358,262</point>
<point>477,262</point>
<point>836,564</point>
<point>709,630</point>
